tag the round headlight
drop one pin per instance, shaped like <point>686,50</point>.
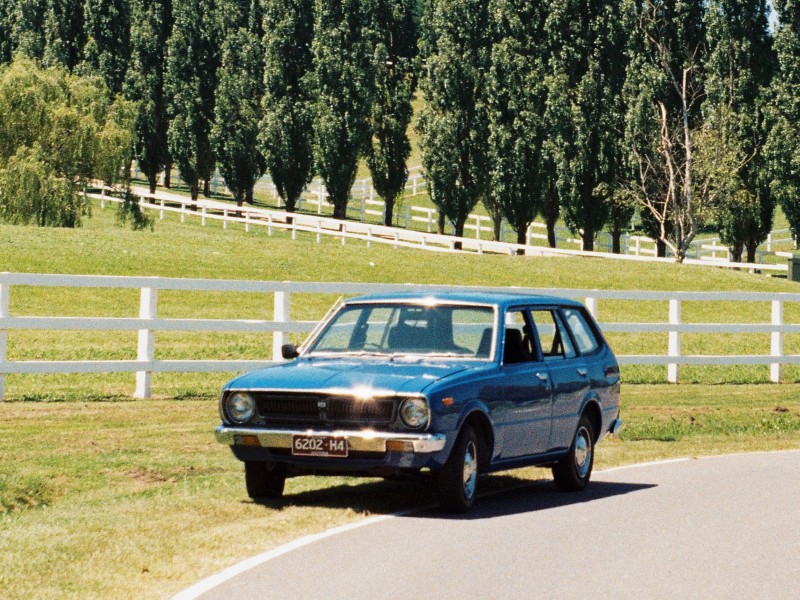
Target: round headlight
<point>240,407</point>
<point>414,412</point>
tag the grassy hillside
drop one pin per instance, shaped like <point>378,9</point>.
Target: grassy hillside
<point>175,249</point>
<point>121,498</point>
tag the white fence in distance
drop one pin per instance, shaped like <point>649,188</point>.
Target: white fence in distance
<point>148,322</point>
<point>270,219</point>
<point>366,203</point>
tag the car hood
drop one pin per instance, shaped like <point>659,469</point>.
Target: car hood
<point>344,374</point>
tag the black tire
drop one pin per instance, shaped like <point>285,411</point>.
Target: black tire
<point>456,482</point>
<point>264,480</point>
<point>573,471</point>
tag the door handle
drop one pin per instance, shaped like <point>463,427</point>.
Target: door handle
<point>582,372</point>
<point>541,376</point>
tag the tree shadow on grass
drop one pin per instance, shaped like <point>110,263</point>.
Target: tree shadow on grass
<point>499,495</point>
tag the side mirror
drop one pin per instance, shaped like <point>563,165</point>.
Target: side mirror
<point>289,351</point>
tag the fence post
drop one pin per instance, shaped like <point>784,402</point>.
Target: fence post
<point>674,339</point>
<point>224,218</point>
<point>146,347</point>
<point>591,306</point>
<point>203,220</point>
<point>776,345</point>
<point>5,291</point>
<point>281,315</point>
<point>247,221</point>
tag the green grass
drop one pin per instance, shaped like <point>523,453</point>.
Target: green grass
<point>105,497</point>
<point>175,249</point>
<point>134,499</point>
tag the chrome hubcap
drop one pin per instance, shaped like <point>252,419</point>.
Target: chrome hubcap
<point>583,452</point>
<point>470,470</point>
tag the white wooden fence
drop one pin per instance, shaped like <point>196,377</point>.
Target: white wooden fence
<point>319,226</point>
<point>148,322</point>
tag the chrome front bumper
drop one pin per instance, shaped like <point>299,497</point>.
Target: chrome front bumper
<point>357,441</point>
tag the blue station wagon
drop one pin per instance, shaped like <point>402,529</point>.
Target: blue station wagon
<point>454,384</point>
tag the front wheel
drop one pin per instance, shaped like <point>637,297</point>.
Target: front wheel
<point>264,480</point>
<point>572,472</point>
<point>457,481</point>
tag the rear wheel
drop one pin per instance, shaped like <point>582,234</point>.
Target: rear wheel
<point>572,472</point>
<point>457,481</point>
<point>264,480</point>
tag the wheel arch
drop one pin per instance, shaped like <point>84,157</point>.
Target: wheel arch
<point>592,410</point>
<point>483,428</point>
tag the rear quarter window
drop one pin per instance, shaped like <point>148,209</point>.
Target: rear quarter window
<point>584,336</point>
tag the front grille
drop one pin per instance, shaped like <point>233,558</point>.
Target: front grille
<point>322,409</point>
<point>351,410</point>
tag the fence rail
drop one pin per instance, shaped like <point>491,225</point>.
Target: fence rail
<point>369,233</point>
<point>148,322</point>
<point>365,203</point>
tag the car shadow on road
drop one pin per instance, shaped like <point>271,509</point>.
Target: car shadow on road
<point>537,496</point>
<point>503,495</point>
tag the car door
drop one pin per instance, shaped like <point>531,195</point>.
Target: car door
<point>525,410</point>
<point>568,374</point>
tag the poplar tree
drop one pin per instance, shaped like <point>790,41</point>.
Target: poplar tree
<point>26,25</point>
<point>151,24</point>
<point>587,59</point>
<point>394,38</point>
<point>6,31</point>
<point>191,80</point>
<point>739,70</point>
<point>286,128</point>
<point>454,125</point>
<point>517,96</point>
<point>234,133</point>
<point>107,30</point>
<point>342,99</point>
<point>64,37</point>
<point>784,138</point>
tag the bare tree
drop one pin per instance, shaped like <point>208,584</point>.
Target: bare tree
<point>665,85</point>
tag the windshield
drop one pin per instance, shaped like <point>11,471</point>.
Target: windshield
<point>397,329</point>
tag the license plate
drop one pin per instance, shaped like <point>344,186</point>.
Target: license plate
<point>319,445</point>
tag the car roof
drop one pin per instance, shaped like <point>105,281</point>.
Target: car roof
<point>494,298</point>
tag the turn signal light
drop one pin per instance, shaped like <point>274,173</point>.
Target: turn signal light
<point>247,440</point>
<point>399,446</point>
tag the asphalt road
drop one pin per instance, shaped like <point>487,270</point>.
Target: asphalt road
<point>724,527</point>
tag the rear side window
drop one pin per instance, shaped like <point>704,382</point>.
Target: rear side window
<point>581,331</point>
<point>554,339</point>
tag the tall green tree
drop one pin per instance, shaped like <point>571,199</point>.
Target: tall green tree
<point>6,31</point>
<point>191,80</point>
<point>454,126</point>
<point>64,37</point>
<point>394,32</point>
<point>237,114</point>
<point>26,22</point>
<point>587,45</point>
<point>234,133</point>
<point>739,70</point>
<point>286,128</point>
<point>784,138</point>
<point>664,92</point>
<point>107,27</point>
<point>517,100</point>
<point>151,24</point>
<point>342,95</point>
